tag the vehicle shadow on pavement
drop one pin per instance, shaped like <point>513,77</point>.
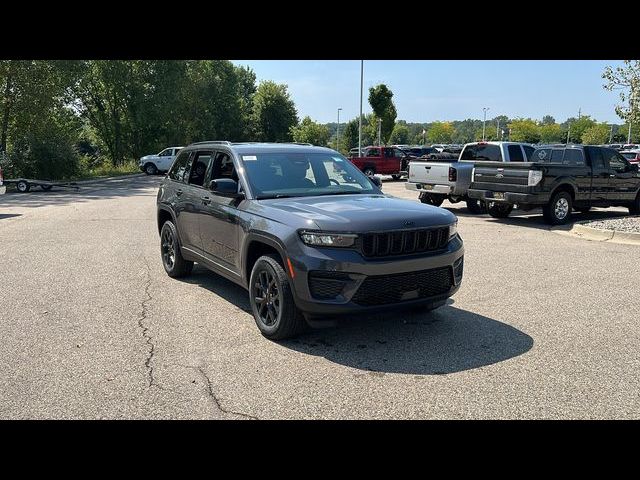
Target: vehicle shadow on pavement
<point>447,340</point>
<point>9,215</point>
<point>534,219</point>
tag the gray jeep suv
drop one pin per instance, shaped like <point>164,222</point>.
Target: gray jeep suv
<point>306,232</point>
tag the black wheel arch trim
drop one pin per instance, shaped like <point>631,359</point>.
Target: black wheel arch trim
<point>261,237</point>
<point>164,208</point>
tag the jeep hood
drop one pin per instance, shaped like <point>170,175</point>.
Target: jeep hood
<point>355,213</point>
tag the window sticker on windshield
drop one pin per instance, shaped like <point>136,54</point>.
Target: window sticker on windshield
<point>542,154</point>
<point>249,157</point>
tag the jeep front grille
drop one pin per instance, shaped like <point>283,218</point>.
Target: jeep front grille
<point>403,242</point>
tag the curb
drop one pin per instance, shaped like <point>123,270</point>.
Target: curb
<point>599,235</point>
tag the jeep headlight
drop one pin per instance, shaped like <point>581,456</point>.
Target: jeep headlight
<point>325,239</point>
<point>453,230</point>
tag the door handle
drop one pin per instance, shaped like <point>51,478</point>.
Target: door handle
<point>179,192</point>
<point>206,200</point>
<point>611,175</point>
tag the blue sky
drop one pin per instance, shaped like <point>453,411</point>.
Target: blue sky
<point>429,90</point>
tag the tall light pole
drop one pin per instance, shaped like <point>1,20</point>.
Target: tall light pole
<point>338,132</point>
<point>360,117</point>
<point>498,131</point>
<point>379,132</point>
<point>484,121</point>
<point>611,135</point>
<point>568,132</point>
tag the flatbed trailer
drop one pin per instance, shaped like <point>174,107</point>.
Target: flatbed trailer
<point>23,185</point>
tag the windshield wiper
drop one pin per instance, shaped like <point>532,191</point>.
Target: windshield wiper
<point>341,193</point>
<point>267,197</point>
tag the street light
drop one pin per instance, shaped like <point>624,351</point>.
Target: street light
<point>338,132</point>
<point>360,117</point>
<point>484,121</point>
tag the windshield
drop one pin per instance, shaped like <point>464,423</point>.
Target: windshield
<point>273,175</point>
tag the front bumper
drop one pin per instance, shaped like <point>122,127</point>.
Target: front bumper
<point>386,274</point>
<point>509,197</point>
<point>429,188</point>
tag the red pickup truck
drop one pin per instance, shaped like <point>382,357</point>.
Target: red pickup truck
<point>382,160</point>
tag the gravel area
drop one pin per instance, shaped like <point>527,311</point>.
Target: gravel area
<point>622,224</point>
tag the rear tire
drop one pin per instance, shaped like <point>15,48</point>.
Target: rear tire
<point>271,299</point>
<point>23,186</point>
<point>172,261</point>
<point>499,210</point>
<point>395,177</point>
<point>46,188</point>
<point>476,206</point>
<point>150,169</point>
<point>369,171</point>
<point>558,210</point>
<point>430,199</point>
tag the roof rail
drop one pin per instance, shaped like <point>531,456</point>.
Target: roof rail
<point>223,142</point>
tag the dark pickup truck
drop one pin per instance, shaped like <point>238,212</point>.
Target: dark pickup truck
<point>559,179</point>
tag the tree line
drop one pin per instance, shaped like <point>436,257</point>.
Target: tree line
<point>58,118</point>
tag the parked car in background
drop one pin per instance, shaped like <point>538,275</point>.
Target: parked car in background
<point>419,151</point>
<point>441,177</point>
<point>383,161</point>
<point>630,146</point>
<point>439,146</point>
<point>559,180</point>
<point>160,162</point>
<point>615,146</point>
<point>632,155</point>
<point>3,189</point>
<point>305,232</point>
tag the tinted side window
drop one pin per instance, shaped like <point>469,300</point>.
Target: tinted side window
<point>398,153</point>
<point>528,151</point>
<point>597,160</point>
<point>610,158</point>
<point>556,155</point>
<point>199,168</point>
<point>223,167</point>
<point>618,163</point>
<point>490,153</point>
<point>515,153</point>
<point>372,152</point>
<point>573,156</point>
<point>388,152</point>
<point>179,166</point>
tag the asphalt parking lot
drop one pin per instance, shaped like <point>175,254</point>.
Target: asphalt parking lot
<point>544,326</point>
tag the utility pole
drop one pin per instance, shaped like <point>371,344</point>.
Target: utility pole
<point>338,132</point>
<point>360,117</point>
<point>579,113</point>
<point>568,132</point>
<point>379,132</point>
<point>498,130</point>
<point>611,135</point>
<point>484,121</point>
<point>631,99</point>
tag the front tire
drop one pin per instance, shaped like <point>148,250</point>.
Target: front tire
<point>369,171</point>
<point>476,206</point>
<point>558,210</point>
<point>150,169</point>
<point>271,299</point>
<point>499,210</point>
<point>172,261</point>
<point>395,177</point>
<point>430,199</point>
<point>634,208</point>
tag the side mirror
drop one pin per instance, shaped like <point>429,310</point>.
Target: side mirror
<point>376,180</point>
<point>225,187</point>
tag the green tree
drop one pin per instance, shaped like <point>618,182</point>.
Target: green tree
<point>524,130</point>
<point>551,133</point>
<point>440,132</point>
<point>274,113</point>
<point>596,134</point>
<point>400,135</point>
<point>626,80</point>
<point>548,120</point>
<point>310,132</point>
<point>381,101</point>
<point>577,127</point>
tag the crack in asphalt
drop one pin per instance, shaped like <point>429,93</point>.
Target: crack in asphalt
<point>145,329</point>
<point>215,398</point>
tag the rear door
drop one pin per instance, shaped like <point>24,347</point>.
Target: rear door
<point>599,174</point>
<point>192,199</point>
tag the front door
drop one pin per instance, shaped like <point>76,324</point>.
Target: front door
<point>219,222</point>
<point>621,178</point>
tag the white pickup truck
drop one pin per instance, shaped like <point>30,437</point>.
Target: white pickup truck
<point>160,162</point>
<point>445,179</point>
